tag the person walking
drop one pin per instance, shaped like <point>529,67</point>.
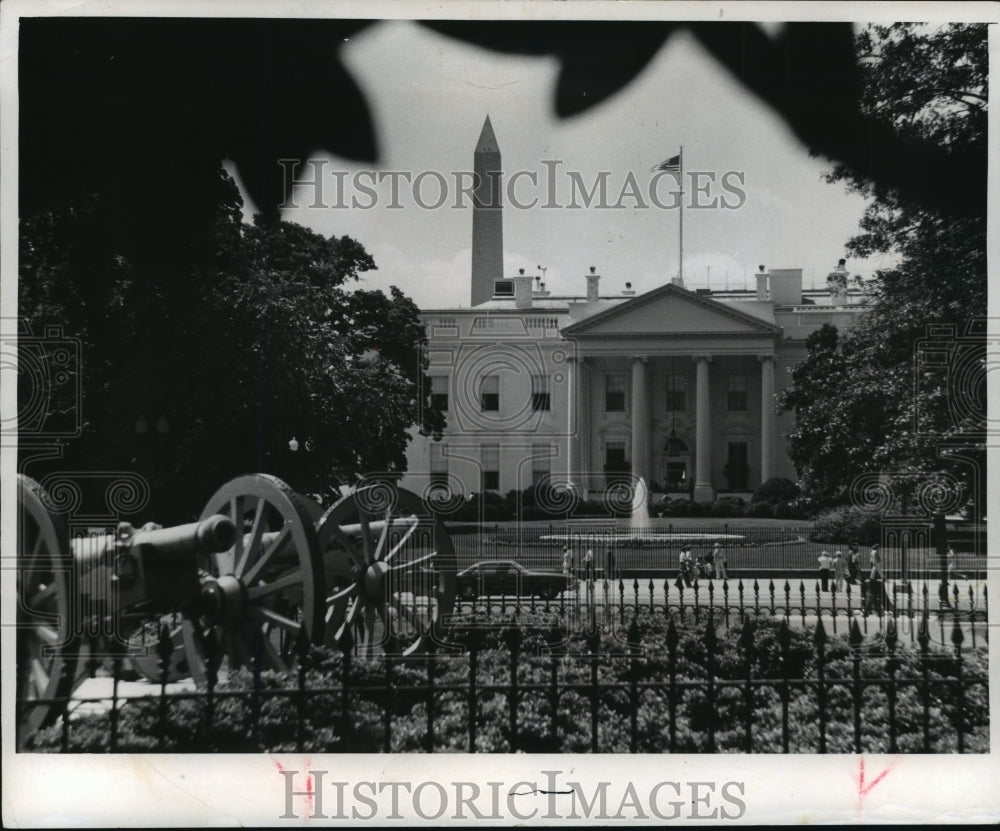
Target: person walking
<point>719,558</point>
<point>567,561</point>
<point>588,573</point>
<point>853,564</point>
<point>824,570</point>
<point>687,565</point>
<point>839,570</point>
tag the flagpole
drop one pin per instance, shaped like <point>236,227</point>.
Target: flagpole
<point>680,165</point>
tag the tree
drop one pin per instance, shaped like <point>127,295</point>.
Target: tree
<point>207,363</point>
<point>863,400</point>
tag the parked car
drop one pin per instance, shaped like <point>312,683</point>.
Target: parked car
<point>510,577</point>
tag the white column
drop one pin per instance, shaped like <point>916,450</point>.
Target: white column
<point>766,417</point>
<point>583,425</point>
<point>640,420</point>
<point>703,436</point>
<point>572,419</point>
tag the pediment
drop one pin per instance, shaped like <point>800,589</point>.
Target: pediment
<point>669,310</point>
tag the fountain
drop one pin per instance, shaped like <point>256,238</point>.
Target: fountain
<point>640,507</point>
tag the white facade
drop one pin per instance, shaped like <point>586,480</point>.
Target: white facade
<point>673,386</point>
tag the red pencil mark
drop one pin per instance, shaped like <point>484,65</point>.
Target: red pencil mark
<point>310,798</point>
<point>865,788</point>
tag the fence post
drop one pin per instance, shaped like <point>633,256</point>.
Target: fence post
<point>635,653</point>
<point>924,639</point>
<point>556,637</point>
<point>770,591</point>
<point>710,645</point>
<point>512,637</point>
<point>430,658</point>
<point>856,640</point>
<point>747,642</point>
<point>819,639</point>
<point>302,653</point>
<point>891,665</point>
<point>956,639</point>
<point>784,641</point>
<point>391,651</point>
<point>652,592</point>
<point>672,640</point>
<point>802,600</point>
<point>475,636</point>
<point>164,649</point>
<point>116,674</point>
<point>593,644</point>
<point>346,645</point>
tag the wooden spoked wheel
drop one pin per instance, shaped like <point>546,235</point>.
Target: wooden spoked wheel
<point>258,597</point>
<point>47,657</point>
<point>389,567</point>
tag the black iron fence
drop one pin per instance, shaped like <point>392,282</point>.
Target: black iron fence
<point>767,668</point>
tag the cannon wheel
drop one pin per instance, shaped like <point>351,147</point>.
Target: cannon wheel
<point>47,661</point>
<point>266,589</point>
<point>395,579</point>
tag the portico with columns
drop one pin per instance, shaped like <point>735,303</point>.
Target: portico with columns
<point>676,388</point>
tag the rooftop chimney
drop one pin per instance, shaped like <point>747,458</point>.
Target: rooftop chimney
<point>761,283</point>
<point>593,281</point>
<point>628,291</point>
<point>522,290</point>
<point>836,282</point>
<point>786,286</point>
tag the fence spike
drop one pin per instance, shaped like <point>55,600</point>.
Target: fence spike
<point>855,636</point>
<point>819,635</point>
<point>512,637</point>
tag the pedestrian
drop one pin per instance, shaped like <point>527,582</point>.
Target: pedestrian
<point>853,564</point>
<point>824,570</point>
<point>610,564</point>
<point>708,559</point>
<point>875,589</point>
<point>679,582</point>
<point>567,562</point>
<point>719,558</point>
<point>588,565</point>
<point>839,570</point>
<point>687,565</point>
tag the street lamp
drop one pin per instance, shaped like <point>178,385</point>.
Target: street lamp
<point>293,444</point>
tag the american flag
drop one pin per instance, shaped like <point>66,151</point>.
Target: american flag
<point>671,165</point>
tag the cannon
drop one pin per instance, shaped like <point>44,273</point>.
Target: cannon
<point>261,569</point>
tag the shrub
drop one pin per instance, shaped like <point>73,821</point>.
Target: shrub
<point>776,489</point>
<point>704,508</point>
<point>727,508</point>
<point>678,507</point>
<point>846,524</point>
<point>788,510</point>
<point>760,510</point>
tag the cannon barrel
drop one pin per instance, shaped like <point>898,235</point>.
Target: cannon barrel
<point>217,533</point>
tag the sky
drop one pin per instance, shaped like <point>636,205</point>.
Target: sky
<point>430,95</point>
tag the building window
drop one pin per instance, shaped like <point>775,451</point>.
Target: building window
<point>438,467</point>
<point>541,463</point>
<point>540,399</point>
<point>439,392</point>
<point>737,469</point>
<point>503,288</point>
<point>489,394</point>
<point>614,392</point>
<point>736,393</point>
<point>491,467</point>
<point>676,392</point>
<point>676,476</point>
